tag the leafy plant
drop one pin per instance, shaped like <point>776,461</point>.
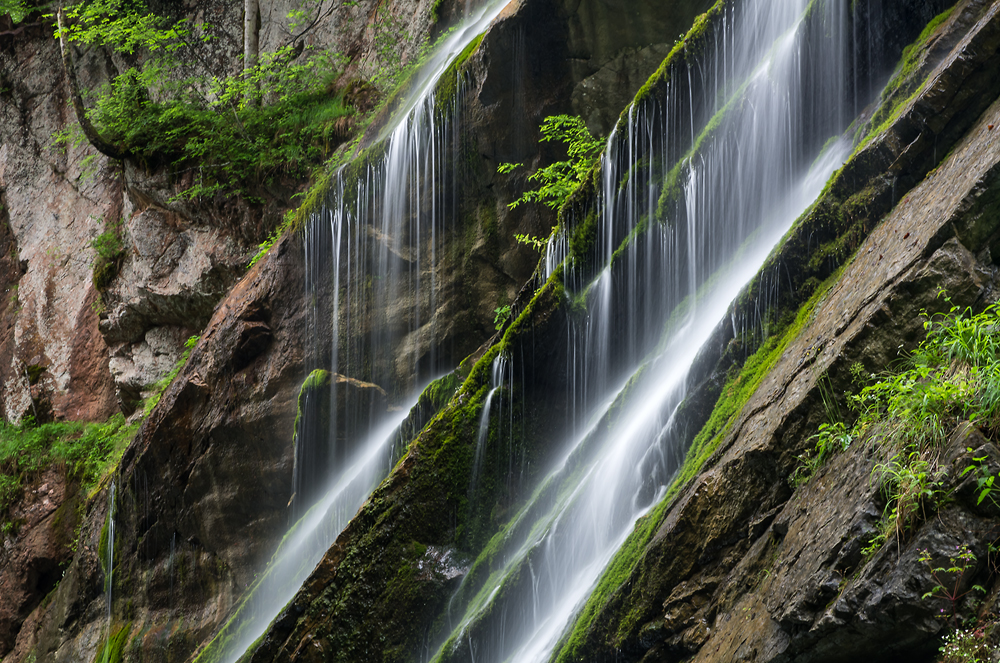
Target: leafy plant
<point>559,180</point>
<point>912,486</point>
<point>985,480</point>
<point>16,9</point>
<point>502,313</point>
<point>952,375</point>
<point>948,579</point>
<point>831,437</point>
<point>532,241</point>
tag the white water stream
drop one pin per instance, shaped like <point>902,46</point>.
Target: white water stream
<point>759,104</point>
<point>397,201</point>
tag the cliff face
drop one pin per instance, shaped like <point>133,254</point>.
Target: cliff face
<point>201,497</point>
<point>739,566</point>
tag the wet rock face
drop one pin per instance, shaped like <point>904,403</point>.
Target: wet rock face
<point>35,554</point>
<point>615,47</point>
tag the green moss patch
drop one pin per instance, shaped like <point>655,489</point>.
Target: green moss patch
<point>112,648</point>
<point>906,84</point>
<point>447,87</point>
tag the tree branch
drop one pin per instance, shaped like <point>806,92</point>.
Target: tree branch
<point>89,130</point>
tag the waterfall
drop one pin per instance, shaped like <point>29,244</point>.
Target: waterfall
<point>371,248</point>
<point>699,184</point>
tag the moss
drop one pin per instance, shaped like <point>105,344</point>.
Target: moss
<point>112,648</point>
<point>738,390</point>
<point>447,87</point>
<point>105,271</point>
<point>692,43</point>
<point>383,562</point>
<point>671,193</point>
<point>435,11</point>
<point>584,237</point>
<point>736,393</point>
<point>437,394</point>
<point>102,544</point>
<point>34,372</point>
<point>316,381</point>
<point>906,83</point>
<point>630,239</point>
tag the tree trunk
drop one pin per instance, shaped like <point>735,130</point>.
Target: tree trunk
<point>89,130</point>
<point>251,39</point>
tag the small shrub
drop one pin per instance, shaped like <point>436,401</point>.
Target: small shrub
<point>502,313</point>
<point>559,180</point>
<point>109,252</point>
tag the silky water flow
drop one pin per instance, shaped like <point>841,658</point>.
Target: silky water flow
<point>371,244</point>
<point>699,184</point>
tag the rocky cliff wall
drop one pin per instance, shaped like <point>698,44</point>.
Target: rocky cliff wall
<point>201,498</point>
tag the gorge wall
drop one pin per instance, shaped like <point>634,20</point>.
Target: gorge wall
<point>733,564</point>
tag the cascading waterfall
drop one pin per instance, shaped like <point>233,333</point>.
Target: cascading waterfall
<point>699,184</point>
<point>370,248</point>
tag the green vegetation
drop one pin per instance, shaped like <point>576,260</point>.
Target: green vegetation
<point>735,394</point>
<point>316,382</point>
<point>447,87</point>
<point>738,389</point>
<point>113,646</point>
<point>536,243</point>
<point>275,235</point>
<point>109,252</point>
<point>90,451</point>
<point>234,133</point>
<point>691,42</point>
<point>909,412</point>
<point>559,180</point>
<point>502,314</point>
<point>16,9</point>
<point>906,83</point>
